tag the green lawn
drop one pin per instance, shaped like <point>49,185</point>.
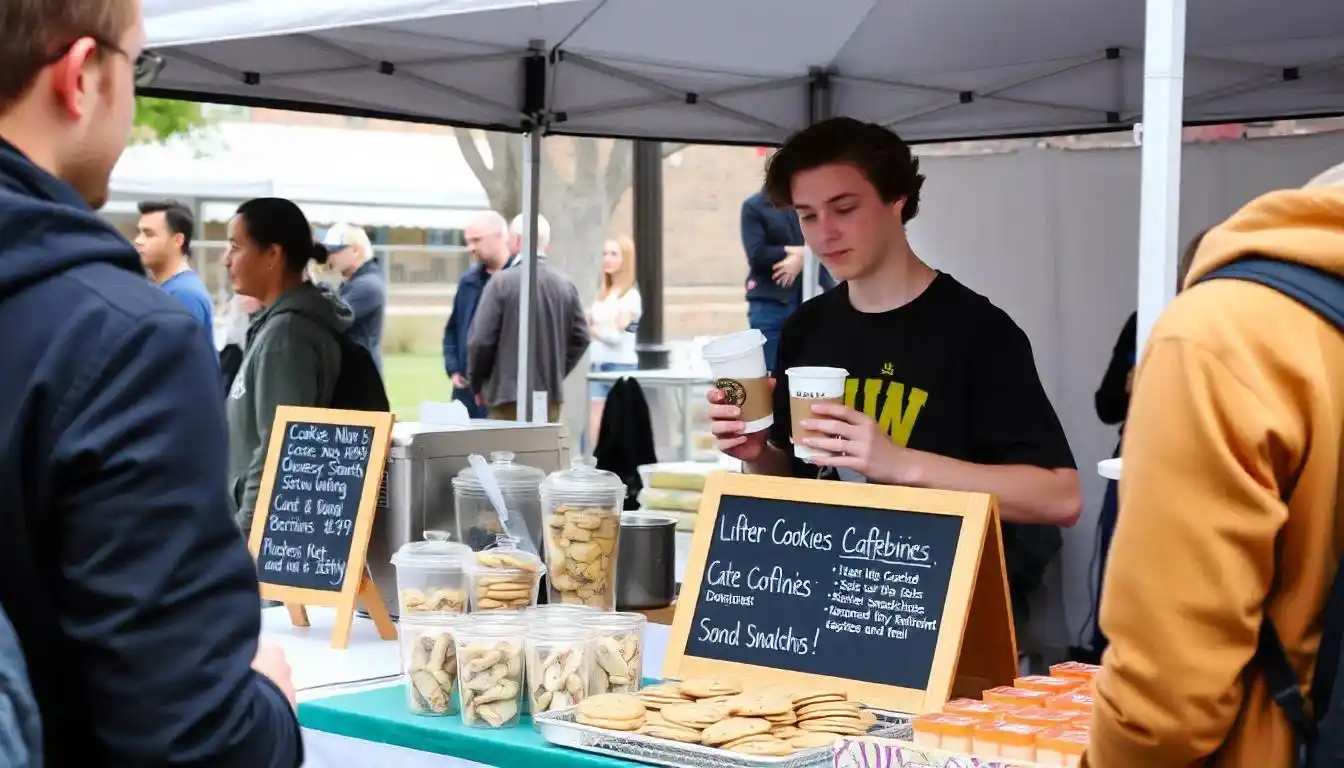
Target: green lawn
<point>412,379</point>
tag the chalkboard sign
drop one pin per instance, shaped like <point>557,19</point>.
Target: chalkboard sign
<point>315,510</point>
<point>314,504</point>
<point>826,589</point>
<point>822,583</point>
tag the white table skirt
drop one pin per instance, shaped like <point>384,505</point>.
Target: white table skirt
<point>369,662</point>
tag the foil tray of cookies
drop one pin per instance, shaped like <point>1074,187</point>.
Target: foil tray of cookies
<point>706,723</point>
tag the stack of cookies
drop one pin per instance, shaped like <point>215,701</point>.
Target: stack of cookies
<point>612,712</point>
<point>717,713</point>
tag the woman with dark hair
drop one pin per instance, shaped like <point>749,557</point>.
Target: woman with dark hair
<point>293,354</point>
<point>1112,402</point>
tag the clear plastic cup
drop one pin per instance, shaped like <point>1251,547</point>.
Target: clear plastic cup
<point>618,652</point>
<point>429,662</point>
<point>583,533</point>
<point>559,657</point>
<point>490,673</point>
<point>504,577</point>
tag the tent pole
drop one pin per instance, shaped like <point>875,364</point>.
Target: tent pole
<point>818,109</point>
<point>1160,192</point>
<point>527,296</point>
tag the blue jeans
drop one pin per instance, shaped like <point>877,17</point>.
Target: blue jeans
<point>468,398</point>
<point>768,317</point>
<point>598,390</point>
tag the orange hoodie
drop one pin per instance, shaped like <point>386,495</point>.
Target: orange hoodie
<point>1239,391</point>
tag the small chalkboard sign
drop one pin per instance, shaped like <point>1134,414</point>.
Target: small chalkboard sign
<point>896,595</point>
<point>315,511</point>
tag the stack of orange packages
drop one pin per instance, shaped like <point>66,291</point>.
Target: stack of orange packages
<point>1039,719</point>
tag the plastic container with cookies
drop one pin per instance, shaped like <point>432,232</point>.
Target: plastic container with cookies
<point>432,575</point>
<point>582,508</point>
<point>504,577</point>
<point>490,672</point>
<point>559,656</point>
<point>429,662</point>
<point>618,652</point>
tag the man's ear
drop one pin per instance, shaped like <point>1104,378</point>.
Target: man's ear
<point>898,206</point>
<point>69,77</point>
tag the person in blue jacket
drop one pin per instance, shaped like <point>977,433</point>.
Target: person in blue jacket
<point>773,241</point>
<point>133,598</point>
<point>488,243</point>
<point>20,724</point>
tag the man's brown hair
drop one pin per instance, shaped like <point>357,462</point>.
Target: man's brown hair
<point>877,152</point>
<point>36,30</point>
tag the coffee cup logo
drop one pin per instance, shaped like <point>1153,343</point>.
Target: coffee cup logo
<point>733,391</point>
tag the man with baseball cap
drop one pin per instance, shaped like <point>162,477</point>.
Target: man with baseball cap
<point>364,287</point>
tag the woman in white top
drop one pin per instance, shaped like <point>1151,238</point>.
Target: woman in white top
<point>612,321</point>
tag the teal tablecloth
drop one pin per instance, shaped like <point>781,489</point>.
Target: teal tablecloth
<point>380,715</point>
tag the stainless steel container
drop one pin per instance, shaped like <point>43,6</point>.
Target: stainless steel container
<point>646,570</point>
<point>417,484</point>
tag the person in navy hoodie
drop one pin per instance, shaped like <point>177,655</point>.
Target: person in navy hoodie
<point>773,240</point>
<point>133,598</point>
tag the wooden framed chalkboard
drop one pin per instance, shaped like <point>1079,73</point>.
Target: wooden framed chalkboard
<point>314,514</point>
<point>897,596</point>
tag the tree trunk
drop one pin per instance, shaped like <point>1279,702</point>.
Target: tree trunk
<point>579,207</point>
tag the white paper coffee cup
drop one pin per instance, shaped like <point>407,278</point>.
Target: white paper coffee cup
<point>737,362</point>
<point>809,385</point>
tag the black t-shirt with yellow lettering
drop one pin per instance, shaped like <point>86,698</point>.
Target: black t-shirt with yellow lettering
<point>948,373</point>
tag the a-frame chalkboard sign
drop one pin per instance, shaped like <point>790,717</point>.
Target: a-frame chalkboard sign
<point>314,514</point>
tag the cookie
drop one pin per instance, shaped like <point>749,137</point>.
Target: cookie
<point>612,706</point>
<point>813,740</point>
<point>671,733</point>
<point>733,728</point>
<point>697,716</point>
<point>748,740</point>
<point>610,725</point>
<point>771,748</point>
<point>785,731</point>
<point>706,687</point>
<point>839,726</point>
<point>620,660</point>
<point>755,705</point>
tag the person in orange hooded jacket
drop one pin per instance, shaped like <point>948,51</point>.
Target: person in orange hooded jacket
<point>1237,406</point>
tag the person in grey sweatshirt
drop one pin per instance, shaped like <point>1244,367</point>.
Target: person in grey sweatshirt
<point>293,354</point>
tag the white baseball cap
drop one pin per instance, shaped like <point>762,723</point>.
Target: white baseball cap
<point>337,237</point>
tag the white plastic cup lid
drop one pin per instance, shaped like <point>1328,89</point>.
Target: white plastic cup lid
<point>817,372</point>
<point>732,345</point>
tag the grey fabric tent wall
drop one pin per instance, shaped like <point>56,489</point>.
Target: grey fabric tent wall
<point>1050,236</point>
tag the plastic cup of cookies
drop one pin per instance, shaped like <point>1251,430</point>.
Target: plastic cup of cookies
<point>504,577</point>
<point>429,662</point>
<point>490,673</point>
<point>618,652</point>
<point>560,612</point>
<point>432,575</point>
<point>558,659</point>
<point>582,507</point>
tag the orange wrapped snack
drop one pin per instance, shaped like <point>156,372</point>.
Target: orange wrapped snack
<point>1071,702</point>
<point>1082,721</point>
<point>1007,694</point>
<point>1051,685</point>
<point>1075,670</point>
<point>1014,741</point>
<point>982,711</point>
<point>1061,747</point>
<point>1045,718</point>
<point>942,730</point>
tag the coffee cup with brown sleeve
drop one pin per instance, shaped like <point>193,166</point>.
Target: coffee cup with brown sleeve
<point>737,362</point>
<point>808,386</point>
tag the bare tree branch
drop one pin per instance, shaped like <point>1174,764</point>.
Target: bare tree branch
<point>466,143</point>
<point>617,176</point>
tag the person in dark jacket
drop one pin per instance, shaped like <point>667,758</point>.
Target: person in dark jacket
<point>488,243</point>
<point>773,241</point>
<point>132,595</point>
<point>1112,403</point>
<point>20,723</point>
<point>363,287</point>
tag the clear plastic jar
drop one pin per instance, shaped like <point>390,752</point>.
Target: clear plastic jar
<point>559,657</point>
<point>583,533</point>
<point>560,612</point>
<point>490,672</point>
<point>504,577</point>
<point>429,662</point>
<point>477,520</point>
<point>432,575</point>
<point>618,652</point>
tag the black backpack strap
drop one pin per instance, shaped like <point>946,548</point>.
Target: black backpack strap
<point>1316,289</point>
<point>1283,686</point>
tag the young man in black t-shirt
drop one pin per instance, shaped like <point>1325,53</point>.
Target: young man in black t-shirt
<point>942,389</point>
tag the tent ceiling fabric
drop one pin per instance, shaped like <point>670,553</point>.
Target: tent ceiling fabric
<point>727,71</point>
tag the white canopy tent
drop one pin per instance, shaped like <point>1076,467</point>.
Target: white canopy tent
<point>751,72</point>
